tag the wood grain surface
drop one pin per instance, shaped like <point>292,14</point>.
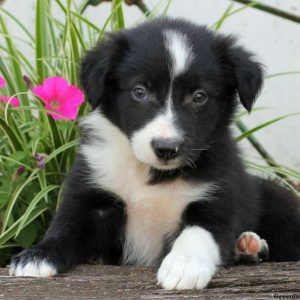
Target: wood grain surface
<point>263,281</point>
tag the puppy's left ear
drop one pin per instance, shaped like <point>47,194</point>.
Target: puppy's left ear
<point>247,72</point>
<point>97,66</point>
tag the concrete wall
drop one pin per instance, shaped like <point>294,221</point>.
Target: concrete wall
<point>275,41</point>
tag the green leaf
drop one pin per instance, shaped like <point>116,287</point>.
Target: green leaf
<point>18,156</point>
<point>61,149</point>
<point>41,34</point>
<point>268,123</point>
<point>274,173</point>
<point>14,198</point>
<point>11,135</point>
<point>22,26</point>
<point>32,206</point>
<point>10,232</point>
<point>228,13</point>
<point>15,64</point>
<point>27,236</point>
<point>86,21</point>
<point>239,115</point>
<point>118,22</point>
<point>283,74</point>
<point>225,15</point>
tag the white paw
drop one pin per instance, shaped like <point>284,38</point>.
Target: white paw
<point>34,268</point>
<point>181,272</point>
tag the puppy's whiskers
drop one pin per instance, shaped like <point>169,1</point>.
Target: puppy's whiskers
<point>190,163</point>
<point>200,149</point>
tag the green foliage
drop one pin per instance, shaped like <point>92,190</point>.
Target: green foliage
<point>251,131</point>
<point>29,194</point>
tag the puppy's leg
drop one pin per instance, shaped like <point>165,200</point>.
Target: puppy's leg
<point>280,222</point>
<point>250,248</point>
<point>204,243</point>
<point>76,235</point>
<point>191,262</point>
<point>86,227</point>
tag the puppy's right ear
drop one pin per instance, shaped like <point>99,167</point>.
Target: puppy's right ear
<point>242,69</point>
<point>96,66</point>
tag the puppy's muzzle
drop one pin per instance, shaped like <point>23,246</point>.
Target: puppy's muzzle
<point>166,149</point>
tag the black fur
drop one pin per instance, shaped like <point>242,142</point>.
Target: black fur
<point>241,203</point>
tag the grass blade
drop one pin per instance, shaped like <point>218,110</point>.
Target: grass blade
<point>41,33</point>
<point>35,201</point>
<point>261,126</point>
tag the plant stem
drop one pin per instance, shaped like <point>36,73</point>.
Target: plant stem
<point>254,142</point>
<point>271,10</point>
<point>140,4</point>
<point>259,148</point>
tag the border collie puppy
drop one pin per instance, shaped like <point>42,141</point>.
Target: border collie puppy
<point>158,180</point>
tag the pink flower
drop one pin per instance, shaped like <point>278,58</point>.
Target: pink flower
<point>13,101</point>
<point>61,97</point>
<point>2,82</point>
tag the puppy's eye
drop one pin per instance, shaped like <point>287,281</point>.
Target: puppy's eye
<point>139,93</point>
<point>200,97</point>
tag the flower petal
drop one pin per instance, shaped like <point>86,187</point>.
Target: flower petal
<point>74,95</point>
<point>2,82</point>
<point>12,101</point>
<point>53,114</point>
<point>50,88</point>
<point>57,86</point>
<point>41,92</point>
<point>67,97</point>
<point>69,110</point>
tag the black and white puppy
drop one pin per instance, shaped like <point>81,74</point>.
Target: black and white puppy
<point>158,180</point>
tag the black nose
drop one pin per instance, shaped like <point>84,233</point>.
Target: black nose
<point>166,149</point>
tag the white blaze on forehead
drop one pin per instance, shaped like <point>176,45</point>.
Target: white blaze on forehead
<point>180,50</point>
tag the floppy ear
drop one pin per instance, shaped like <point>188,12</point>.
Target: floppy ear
<point>247,72</point>
<point>96,67</point>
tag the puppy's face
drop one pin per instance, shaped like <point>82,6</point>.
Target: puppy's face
<point>170,87</point>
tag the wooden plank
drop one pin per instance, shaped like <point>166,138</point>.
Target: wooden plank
<point>262,281</point>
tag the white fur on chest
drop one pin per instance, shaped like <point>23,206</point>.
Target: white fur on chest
<point>153,211</point>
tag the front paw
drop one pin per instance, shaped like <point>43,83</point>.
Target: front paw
<point>34,262</point>
<point>181,272</point>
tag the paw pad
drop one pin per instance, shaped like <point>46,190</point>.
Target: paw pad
<point>250,248</point>
<point>249,243</point>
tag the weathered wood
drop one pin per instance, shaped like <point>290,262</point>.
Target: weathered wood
<point>109,282</point>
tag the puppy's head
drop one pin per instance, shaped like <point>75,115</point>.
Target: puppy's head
<point>171,87</point>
